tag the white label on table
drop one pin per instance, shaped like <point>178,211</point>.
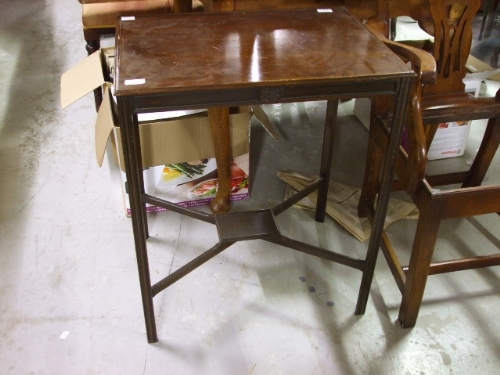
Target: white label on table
<point>128,18</point>
<point>325,11</point>
<point>138,81</point>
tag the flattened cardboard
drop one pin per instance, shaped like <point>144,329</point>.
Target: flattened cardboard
<point>480,70</point>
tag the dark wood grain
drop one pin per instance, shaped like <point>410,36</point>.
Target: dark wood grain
<point>248,50</point>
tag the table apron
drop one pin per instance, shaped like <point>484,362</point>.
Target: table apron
<point>261,95</point>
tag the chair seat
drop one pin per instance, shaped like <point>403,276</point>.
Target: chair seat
<point>457,107</point>
<point>99,15</point>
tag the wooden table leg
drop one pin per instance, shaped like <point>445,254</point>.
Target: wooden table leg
<point>326,157</point>
<point>132,152</point>
<point>219,126</point>
<point>401,96</point>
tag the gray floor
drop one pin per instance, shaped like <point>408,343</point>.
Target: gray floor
<point>69,293</point>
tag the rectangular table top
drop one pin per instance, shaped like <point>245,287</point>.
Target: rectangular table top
<point>182,53</point>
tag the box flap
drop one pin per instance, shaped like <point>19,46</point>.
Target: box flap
<point>81,79</point>
<point>103,126</point>
<point>259,113</point>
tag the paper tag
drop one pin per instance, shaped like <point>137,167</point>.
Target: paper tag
<point>128,18</point>
<point>138,81</point>
<point>144,117</point>
<point>325,11</point>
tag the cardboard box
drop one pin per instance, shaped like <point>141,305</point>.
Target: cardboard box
<point>451,137</point>
<point>169,183</point>
<point>449,141</point>
<point>167,138</point>
<point>94,71</point>
<point>170,137</point>
<point>180,172</point>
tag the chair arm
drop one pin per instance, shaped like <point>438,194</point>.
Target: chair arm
<point>417,153</point>
<point>424,65</point>
<point>422,62</point>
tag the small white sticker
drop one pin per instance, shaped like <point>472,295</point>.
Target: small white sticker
<point>325,11</point>
<point>138,81</point>
<point>128,18</point>
<point>64,335</point>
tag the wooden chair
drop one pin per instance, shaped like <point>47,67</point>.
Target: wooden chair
<point>361,9</point>
<point>99,18</point>
<point>437,97</point>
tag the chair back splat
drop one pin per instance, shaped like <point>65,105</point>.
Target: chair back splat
<point>451,26</point>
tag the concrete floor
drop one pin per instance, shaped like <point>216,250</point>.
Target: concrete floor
<point>69,292</point>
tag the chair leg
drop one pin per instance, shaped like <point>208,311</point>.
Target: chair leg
<point>326,157</point>
<point>485,154</point>
<point>421,257</point>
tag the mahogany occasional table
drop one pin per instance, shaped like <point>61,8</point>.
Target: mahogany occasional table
<point>217,60</point>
